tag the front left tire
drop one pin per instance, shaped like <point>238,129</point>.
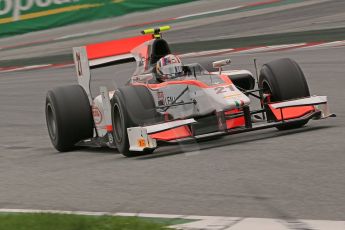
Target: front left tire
<point>131,106</point>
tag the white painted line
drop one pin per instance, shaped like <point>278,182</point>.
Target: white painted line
<point>228,223</point>
<point>252,50</point>
<point>270,48</point>
<point>62,65</point>
<point>26,68</point>
<point>326,44</point>
<point>257,223</point>
<point>239,51</point>
<point>148,215</point>
<point>342,43</point>
<point>287,46</point>
<point>203,53</point>
<point>87,33</point>
<point>273,48</point>
<point>34,67</point>
<point>213,223</point>
<point>209,12</point>
<point>325,224</point>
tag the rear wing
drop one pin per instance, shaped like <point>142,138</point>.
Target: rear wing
<point>104,54</point>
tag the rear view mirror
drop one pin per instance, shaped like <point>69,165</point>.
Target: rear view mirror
<point>221,63</point>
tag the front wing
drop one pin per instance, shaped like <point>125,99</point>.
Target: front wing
<point>287,112</point>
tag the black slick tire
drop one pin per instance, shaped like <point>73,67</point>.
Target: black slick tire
<point>131,106</point>
<point>284,80</point>
<point>68,117</point>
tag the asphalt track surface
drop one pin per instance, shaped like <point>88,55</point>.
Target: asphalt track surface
<point>269,173</point>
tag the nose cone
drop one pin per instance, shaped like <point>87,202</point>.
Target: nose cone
<point>227,97</point>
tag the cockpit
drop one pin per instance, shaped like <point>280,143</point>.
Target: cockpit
<point>149,53</point>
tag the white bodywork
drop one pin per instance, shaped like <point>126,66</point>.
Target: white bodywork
<point>139,137</point>
<point>234,72</point>
<point>102,119</point>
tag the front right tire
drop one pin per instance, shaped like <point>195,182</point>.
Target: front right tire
<point>283,79</point>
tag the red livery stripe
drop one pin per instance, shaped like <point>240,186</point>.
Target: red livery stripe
<point>109,128</point>
<point>292,112</point>
<point>116,47</point>
<point>172,134</point>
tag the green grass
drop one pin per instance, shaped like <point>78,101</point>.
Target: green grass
<point>76,222</point>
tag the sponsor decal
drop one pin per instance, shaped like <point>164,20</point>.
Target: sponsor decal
<point>239,103</point>
<point>164,100</point>
<point>242,102</point>
<point>169,100</point>
<point>97,115</point>
<point>141,60</point>
<point>232,95</point>
<point>141,143</point>
<point>79,66</point>
<point>160,96</point>
<point>224,89</point>
<point>17,7</point>
<point>22,16</point>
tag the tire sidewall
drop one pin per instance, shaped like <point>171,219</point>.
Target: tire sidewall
<point>122,144</point>
<point>285,79</point>
<point>50,102</point>
<point>283,85</point>
<point>266,78</point>
<point>72,115</point>
<point>118,102</point>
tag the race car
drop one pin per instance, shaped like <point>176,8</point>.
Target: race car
<point>166,101</point>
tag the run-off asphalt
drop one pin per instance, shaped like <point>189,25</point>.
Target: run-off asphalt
<point>291,174</point>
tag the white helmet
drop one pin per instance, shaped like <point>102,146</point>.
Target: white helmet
<point>169,67</point>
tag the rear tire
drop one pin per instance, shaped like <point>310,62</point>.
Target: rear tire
<point>284,80</point>
<point>68,116</point>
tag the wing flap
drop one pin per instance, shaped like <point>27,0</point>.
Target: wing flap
<point>115,48</point>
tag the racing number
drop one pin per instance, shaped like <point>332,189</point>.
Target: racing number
<point>79,69</point>
<point>142,142</point>
<point>224,89</point>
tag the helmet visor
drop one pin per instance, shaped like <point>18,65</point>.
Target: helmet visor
<point>172,70</point>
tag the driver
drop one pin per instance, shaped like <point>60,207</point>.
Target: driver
<point>169,67</point>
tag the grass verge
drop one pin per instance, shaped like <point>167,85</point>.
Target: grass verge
<point>44,221</point>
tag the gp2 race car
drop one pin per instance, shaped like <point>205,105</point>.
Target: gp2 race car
<point>148,112</point>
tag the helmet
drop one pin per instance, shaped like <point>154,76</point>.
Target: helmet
<point>169,67</point>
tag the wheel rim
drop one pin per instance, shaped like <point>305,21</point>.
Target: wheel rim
<point>118,123</point>
<point>267,89</point>
<point>51,122</point>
